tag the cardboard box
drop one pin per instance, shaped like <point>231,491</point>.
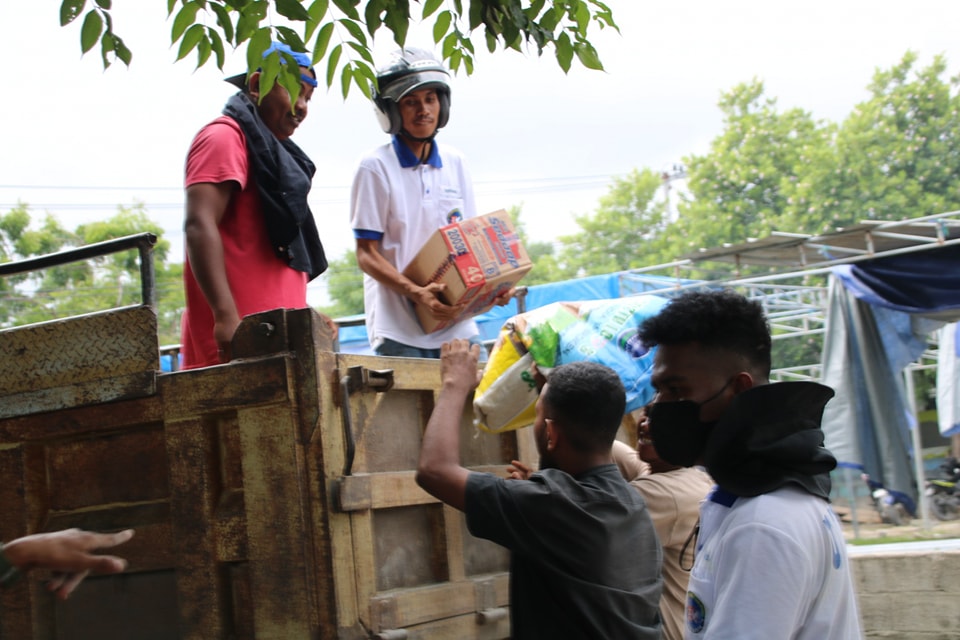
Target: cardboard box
<point>478,259</point>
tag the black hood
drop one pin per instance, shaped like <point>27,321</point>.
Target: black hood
<point>770,437</point>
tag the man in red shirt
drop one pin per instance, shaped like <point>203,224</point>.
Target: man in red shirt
<point>251,240</point>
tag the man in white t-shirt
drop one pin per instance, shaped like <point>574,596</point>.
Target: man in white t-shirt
<point>770,559</point>
<point>402,193</point>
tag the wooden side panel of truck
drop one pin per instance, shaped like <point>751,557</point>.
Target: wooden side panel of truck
<point>272,497</point>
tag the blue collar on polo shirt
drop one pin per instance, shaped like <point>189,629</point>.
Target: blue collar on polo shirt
<point>409,159</point>
<point>722,497</point>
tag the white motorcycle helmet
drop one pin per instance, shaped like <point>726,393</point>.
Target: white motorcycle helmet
<point>410,69</point>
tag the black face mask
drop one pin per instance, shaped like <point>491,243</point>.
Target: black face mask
<point>676,430</point>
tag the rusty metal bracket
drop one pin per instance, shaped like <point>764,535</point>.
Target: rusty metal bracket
<point>355,379</point>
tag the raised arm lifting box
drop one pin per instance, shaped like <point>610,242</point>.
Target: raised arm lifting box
<point>478,259</point>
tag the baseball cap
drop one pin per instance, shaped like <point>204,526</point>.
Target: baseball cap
<point>240,80</point>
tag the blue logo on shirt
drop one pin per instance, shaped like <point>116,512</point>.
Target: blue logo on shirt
<point>454,216</point>
<point>696,613</point>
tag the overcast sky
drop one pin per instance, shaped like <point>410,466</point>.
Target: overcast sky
<point>77,141</point>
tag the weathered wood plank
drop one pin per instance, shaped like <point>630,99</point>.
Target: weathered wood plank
<point>225,387</point>
<point>192,452</point>
<point>409,373</point>
<point>17,604</point>
<point>76,421</point>
<point>410,607</point>
<point>277,537</point>
<point>391,489</point>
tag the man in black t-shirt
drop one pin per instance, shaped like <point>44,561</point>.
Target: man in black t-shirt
<point>585,560</point>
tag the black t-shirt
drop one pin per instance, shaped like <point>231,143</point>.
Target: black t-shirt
<point>585,559</point>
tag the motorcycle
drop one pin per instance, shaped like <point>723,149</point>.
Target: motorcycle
<point>894,507</point>
<point>943,493</point>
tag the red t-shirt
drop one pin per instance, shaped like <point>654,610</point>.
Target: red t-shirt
<point>258,279</point>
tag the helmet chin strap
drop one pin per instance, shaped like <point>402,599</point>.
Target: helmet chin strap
<point>427,142</point>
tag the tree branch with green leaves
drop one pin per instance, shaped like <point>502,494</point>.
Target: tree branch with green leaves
<point>338,34</point>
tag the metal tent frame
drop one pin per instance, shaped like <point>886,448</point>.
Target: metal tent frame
<point>793,291</point>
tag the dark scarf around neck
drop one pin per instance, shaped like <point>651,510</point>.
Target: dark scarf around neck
<point>283,174</point>
<point>770,437</point>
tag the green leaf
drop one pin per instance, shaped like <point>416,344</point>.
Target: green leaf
<point>246,27</point>
<point>364,52</point>
<point>332,62</point>
<point>355,31</point>
<point>170,5</point>
<point>534,9</point>
<point>291,37</point>
<point>365,78</point>
<point>323,41</point>
<point>429,7</point>
<point>588,56</point>
<point>550,20</point>
<point>256,10</point>
<point>269,72</point>
<point>398,26</point>
<point>491,41</point>
<point>69,10</point>
<point>476,14</point>
<point>363,85</point>
<point>449,46</point>
<point>372,15</point>
<point>185,17</point>
<point>216,43</point>
<point>120,49</point>
<point>292,9</point>
<point>190,40</point>
<point>317,11</point>
<point>289,79</point>
<point>204,49</point>
<point>564,52</point>
<point>223,19</point>
<point>103,4</point>
<point>346,77</point>
<point>511,35</point>
<point>91,30</point>
<point>583,18</point>
<point>349,9</point>
<point>106,48</point>
<point>441,26</point>
<point>260,42</point>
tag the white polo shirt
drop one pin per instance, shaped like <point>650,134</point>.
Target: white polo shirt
<point>772,566</point>
<point>400,201</point>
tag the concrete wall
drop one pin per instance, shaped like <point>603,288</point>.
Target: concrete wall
<point>909,595</point>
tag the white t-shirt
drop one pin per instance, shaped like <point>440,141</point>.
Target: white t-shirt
<point>406,205</point>
<point>774,566</point>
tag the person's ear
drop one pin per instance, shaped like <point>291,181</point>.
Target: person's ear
<point>742,382</point>
<point>553,434</point>
<point>253,85</point>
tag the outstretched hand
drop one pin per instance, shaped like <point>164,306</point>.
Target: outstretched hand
<point>68,555</point>
<point>459,365</point>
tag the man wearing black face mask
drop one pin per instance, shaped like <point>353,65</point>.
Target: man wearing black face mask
<point>770,557</point>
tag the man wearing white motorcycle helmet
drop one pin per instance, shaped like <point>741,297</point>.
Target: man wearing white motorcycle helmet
<point>402,193</point>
